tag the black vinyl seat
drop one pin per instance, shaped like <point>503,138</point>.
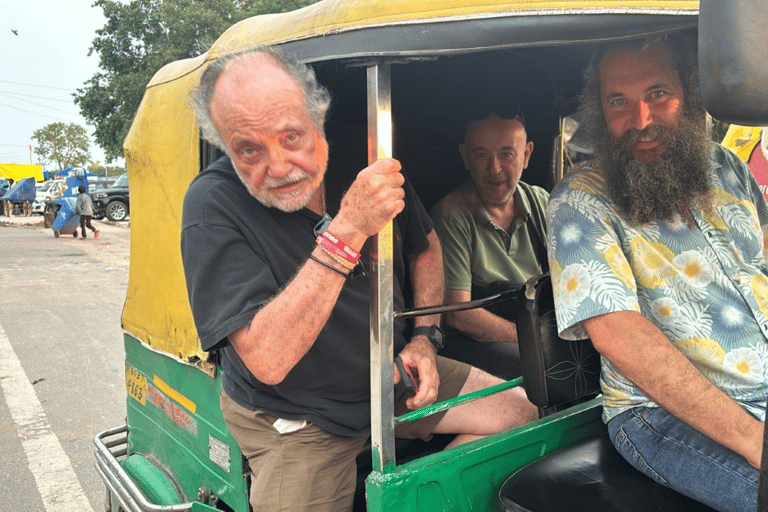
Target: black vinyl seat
<point>588,475</point>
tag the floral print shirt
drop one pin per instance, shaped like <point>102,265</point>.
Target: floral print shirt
<point>705,286</point>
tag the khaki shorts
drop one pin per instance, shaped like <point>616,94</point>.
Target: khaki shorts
<point>453,375</point>
<point>311,468</point>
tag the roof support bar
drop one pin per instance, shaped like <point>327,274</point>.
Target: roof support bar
<point>382,302</point>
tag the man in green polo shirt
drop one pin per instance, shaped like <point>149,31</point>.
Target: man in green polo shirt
<point>491,229</point>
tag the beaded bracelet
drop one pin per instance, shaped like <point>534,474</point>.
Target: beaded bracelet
<point>335,252</point>
<point>338,259</point>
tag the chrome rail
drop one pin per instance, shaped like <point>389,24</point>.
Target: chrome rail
<point>118,481</point>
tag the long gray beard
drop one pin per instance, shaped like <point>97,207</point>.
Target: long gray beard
<point>670,184</point>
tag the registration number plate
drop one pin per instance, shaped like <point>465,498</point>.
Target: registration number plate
<point>136,384</point>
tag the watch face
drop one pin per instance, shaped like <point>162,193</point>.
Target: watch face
<point>438,338</point>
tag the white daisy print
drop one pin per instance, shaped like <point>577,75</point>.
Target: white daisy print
<point>693,268</point>
<point>574,285</point>
<point>666,311</point>
<point>744,364</point>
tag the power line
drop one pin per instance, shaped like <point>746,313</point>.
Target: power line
<point>34,85</point>
<point>28,112</point>
<point>38,104</point>
<point>36,97</point>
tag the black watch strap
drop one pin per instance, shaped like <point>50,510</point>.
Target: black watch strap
<point>433,333</point>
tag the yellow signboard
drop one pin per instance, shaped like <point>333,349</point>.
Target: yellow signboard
<point>19,171</point>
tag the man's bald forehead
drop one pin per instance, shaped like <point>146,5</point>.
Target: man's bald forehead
<point>253,70</point>
<point>495,122</point>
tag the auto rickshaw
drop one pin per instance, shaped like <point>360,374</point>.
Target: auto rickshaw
<point>399,72</point>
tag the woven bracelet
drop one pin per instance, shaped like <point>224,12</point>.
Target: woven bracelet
<point>347,252</point>
<point>337,254</point>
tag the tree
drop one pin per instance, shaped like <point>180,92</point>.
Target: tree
<point>106,170</point>
<point>66,145</point>
<point>141,36</point>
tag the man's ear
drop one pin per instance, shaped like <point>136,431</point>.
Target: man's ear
<point>527,154</point>
<point>463,151</point>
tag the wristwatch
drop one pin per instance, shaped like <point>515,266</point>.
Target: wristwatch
<point>434,334</point>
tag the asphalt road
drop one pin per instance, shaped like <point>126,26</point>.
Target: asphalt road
<point>61,362</point>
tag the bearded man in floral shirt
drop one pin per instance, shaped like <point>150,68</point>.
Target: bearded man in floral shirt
<point>657,251</point>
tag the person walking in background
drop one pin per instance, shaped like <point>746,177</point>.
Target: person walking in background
<point>84,208</point>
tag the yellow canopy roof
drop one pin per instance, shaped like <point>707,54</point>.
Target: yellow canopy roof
<point>338,17</point>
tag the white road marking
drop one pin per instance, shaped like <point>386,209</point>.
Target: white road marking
<point>56,480</point>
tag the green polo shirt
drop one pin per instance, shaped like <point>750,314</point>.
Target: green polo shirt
<point>476,251</point>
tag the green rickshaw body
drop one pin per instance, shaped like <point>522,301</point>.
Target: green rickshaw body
<point>175,452</point>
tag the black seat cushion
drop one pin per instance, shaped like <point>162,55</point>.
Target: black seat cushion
<point>588,476</point>
<point>556,372</point>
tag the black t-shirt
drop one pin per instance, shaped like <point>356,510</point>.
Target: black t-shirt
<point>237,254</point>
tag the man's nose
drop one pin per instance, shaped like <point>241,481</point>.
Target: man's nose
<point>278,161</point>
<point>494,164</point>
<point>641,116</point>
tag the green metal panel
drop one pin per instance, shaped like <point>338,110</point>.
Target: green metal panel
<point>468,477</point>
<point>174,420</point>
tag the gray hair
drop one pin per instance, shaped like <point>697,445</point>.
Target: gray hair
<point>316,97</point>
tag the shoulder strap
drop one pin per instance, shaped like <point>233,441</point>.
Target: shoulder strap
<point>538,226</point>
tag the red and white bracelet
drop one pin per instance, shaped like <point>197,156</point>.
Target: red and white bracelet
<point>338,249</point>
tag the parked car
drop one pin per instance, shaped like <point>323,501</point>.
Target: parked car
<point>47,191</point>
<point>112,202</point>
<point>100,182</point>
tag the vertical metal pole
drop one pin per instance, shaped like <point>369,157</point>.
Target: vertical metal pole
<point>382,306</point>
<point>559,159</point>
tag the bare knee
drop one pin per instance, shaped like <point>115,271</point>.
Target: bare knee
<point>490,415</point>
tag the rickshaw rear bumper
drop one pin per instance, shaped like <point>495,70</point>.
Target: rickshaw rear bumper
<point>111,448</point>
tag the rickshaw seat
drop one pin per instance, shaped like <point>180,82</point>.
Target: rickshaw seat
<point>557,373</point>
<point>589,474</point>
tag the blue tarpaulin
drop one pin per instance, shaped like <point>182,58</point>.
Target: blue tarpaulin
<point>66,220</point>
<point>22,190</point>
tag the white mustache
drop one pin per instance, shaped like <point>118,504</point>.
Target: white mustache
<point>294,177</point>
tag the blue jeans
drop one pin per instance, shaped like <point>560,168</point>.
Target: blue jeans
<point>676,455</point>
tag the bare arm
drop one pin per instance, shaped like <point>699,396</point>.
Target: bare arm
<point>286,328</point>
<point>479,324</point>
<point>427,279</point>
<point>643,354</point>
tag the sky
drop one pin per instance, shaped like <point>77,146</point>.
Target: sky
<point>41,67</point>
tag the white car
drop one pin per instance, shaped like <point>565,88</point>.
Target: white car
<point>47,191</point>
